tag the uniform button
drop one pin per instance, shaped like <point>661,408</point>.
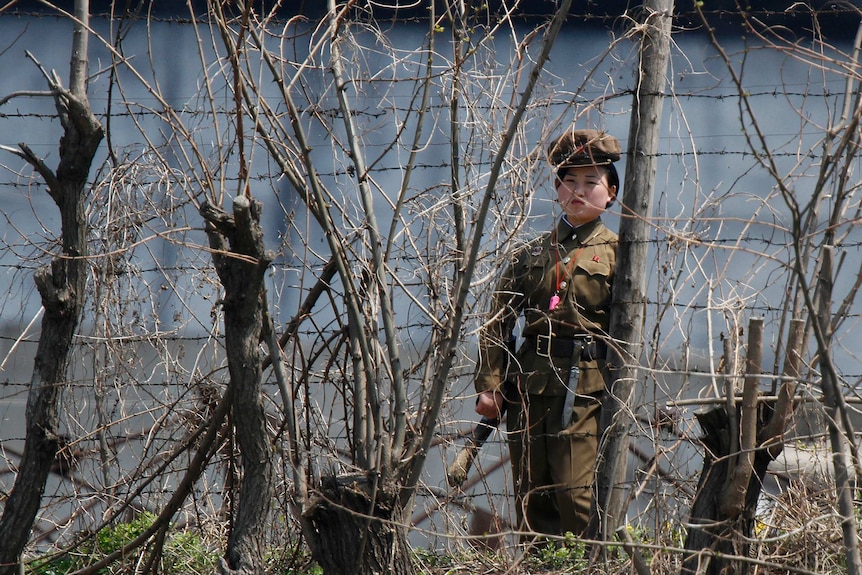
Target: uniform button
<point>563,285</point>
<point>567,259</point>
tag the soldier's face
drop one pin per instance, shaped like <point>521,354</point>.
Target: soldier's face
<point>584,193</point>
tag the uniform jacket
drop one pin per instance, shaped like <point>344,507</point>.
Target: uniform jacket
<point>578,266</point>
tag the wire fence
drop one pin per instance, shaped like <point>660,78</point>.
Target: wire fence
<point>149,363</point>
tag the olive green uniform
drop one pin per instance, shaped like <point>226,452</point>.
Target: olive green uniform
<point>553,457</point>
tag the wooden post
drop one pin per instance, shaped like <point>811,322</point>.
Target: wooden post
<point>629,297</point>
<point>736,486</point>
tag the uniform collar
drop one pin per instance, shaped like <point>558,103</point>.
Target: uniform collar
<point>565,230</point>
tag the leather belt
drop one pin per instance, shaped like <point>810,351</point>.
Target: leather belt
<point>550,346</point>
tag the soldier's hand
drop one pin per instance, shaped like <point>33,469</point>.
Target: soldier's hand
<point>490,404</point>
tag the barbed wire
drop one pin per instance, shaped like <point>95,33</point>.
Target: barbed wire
<point>16,388</point>
<point>288,263</point>
<point>378,112</point>
<point>832,10</point>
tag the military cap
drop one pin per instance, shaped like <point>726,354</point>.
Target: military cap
<point>583,148</point>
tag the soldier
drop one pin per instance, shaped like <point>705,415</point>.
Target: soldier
<point>561,283</point>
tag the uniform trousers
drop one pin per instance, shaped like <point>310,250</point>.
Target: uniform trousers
<point>553,467</point>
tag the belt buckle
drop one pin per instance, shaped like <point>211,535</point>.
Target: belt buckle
<point>543,346</point>
<point>588,347</point>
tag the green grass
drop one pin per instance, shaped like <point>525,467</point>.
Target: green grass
<point>184,552</point>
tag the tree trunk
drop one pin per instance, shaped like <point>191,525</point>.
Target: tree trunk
<point>241,267</point>
<point>738,446</point>
<point>722,536</point>
<point>832,403</point>
<point>356,527</point>
<point>61,296</point>
<point>61,287</point>
<point>629,290</point>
